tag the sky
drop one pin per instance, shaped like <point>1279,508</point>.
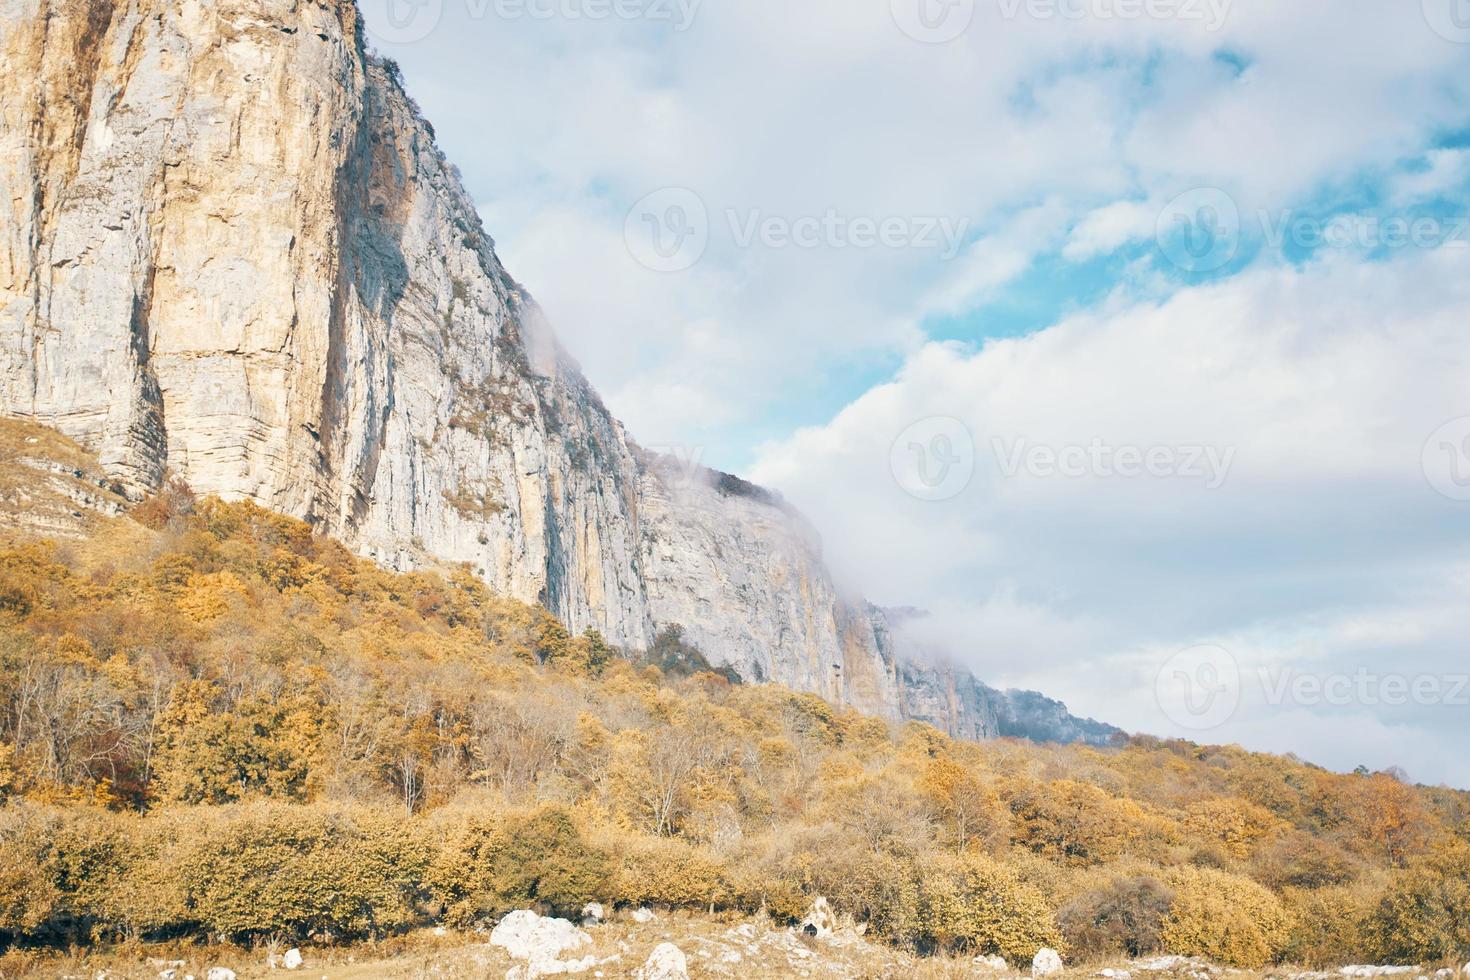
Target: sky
<point>1130,338</point>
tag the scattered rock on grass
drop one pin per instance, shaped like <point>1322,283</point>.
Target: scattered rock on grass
<point>1047,963</point>
<point>666,962</point>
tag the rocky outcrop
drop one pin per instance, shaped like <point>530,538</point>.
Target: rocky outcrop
<point>50,487</point>
<point>231,250</point>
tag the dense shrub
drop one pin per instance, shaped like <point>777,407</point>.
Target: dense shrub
<point>1330,925</point>
<point>303,871</point>
<point>1224,918</point>
<point>660,871</point>
<point>1425,915</point>
<point>1124,916</point>
<point>974,902</point>
<point>540,859</point>
<point>1298,860</point>
<point>29,896</point>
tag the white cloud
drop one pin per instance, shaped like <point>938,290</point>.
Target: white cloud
<point>1110,227</point>
<point>1444,171</point>
<point>1325,544</point>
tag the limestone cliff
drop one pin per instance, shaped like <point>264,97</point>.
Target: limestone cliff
<point>231,250</point>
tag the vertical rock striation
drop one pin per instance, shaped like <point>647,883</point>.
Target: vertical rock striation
<point>230,249</point>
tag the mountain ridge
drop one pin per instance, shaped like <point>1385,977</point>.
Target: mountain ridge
<point>237,255</point>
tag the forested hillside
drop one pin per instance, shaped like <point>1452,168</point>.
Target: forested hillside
<point>214,723</point>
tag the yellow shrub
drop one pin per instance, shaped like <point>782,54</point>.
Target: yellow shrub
<point>1426,913</point>
<point>1330,925</point>
<point>491,867</point>
<point>1225,918</point>
<point>303,870</point>
<point>28,893</point>
<point>660,871</point>
<point>977,903</point>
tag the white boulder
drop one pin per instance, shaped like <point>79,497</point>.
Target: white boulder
<point>292,960</point>
<point>996,964</point>
<point>541,942</point>
<point>219,973</point>
<point>593,913</point>
<point>644,916</point>
<point>666,962</point>
<point>1046,963</point>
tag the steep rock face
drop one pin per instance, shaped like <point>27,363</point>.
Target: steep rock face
<point>230,250</point>
<point>743,574</point>
<point>233,251</point>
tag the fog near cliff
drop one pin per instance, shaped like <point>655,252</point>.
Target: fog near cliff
<point>1326,552</point>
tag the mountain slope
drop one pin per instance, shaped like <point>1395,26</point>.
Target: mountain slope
<point>234,253</point>
<point>214,723</point>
